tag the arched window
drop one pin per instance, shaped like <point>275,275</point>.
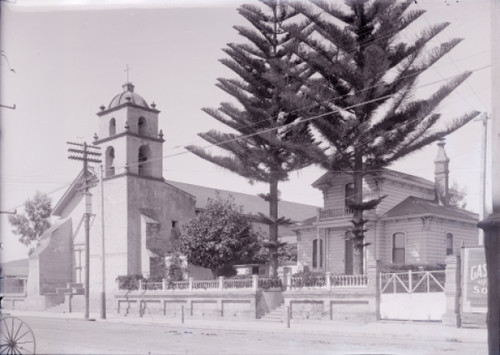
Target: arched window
<point>317,243</point>
<point>398,248</point>
<point>349,193</point>
<point>112,127</point>
<point>449,244</point>
<point>141,126</point>
<point>144,160</point>
<point>110,158</point>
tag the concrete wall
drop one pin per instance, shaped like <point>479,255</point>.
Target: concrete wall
<point>197,304</point>
<point>351,304</point>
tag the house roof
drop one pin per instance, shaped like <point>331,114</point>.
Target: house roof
<point>15,267</point>
<point>387,173</point>
<point>252,204</point>
<point>309,222</point>
<point>412,206</point>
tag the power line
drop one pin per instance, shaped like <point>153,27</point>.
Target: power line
<point>304,120</point>
<point>274,128</point>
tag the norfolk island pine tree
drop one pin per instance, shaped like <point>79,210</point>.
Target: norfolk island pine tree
<point>269,76</point>
<point>364,82</point>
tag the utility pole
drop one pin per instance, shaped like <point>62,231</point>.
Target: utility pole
<point>103,262</point>
<point>491,225</point>
<point>87,155</point>
<point>482,208</point>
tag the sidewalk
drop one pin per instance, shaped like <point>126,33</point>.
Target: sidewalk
<point>382,329</point>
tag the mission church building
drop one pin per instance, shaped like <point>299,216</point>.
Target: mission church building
<point>142,213</point>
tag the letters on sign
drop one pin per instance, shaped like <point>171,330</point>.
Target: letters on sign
<point>475,282</point>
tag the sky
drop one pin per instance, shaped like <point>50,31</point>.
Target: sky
<point>70,57</point>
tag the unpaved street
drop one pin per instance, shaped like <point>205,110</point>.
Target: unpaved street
<point>71,336</point>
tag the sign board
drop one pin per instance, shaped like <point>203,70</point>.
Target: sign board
<point>474,281</point>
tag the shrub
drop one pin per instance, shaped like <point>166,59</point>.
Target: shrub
<point>129,282</point>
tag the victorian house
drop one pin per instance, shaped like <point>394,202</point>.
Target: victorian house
<point>414,224</point>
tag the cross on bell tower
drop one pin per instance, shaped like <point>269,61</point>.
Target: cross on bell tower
<point>127,70</point>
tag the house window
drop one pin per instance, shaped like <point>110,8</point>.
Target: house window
<point>315,253</point>
<point>112,127</point>
<point>349,193</point>
<point>110,157</point>
<point>449,244</point>
<point>398,248</point>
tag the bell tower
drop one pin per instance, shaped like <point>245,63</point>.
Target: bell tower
<point>129,137</point>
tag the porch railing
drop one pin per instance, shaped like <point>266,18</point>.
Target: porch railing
<point>328,281</point>
<point>331,213</point>
<point>222,283</point>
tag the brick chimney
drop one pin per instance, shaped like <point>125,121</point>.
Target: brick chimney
<point>441,173</point>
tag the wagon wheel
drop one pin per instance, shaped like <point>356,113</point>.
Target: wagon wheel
<point>16,337</point>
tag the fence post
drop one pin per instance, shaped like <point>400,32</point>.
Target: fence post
<point>182,314</point>
<point>221,282</point>
<point>288,282</point>
<point>255,282</point>
<point>327,280</point>
<point>452,289</point>
<point>190,285</point>
<point>164,284</point>
<point>288,316</point>
<point>140,285</point>
<point>410,286</point>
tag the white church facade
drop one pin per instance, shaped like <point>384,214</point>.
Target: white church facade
<point>142,213</point>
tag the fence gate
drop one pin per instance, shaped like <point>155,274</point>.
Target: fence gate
<point>412,295</point>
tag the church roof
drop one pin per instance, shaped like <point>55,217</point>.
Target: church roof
<point>251,204</point>
<point>413,206</point>
<point>128,96</point>
<point>68,195</point>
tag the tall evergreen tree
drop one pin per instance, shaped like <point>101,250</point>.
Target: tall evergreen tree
<point>366,78</point>
<point>269,77</point>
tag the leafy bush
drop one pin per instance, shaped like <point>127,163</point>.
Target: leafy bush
<point>175,269</point>
<point>269,283</point>
<point>310,278</point>
<point>129,282</point>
